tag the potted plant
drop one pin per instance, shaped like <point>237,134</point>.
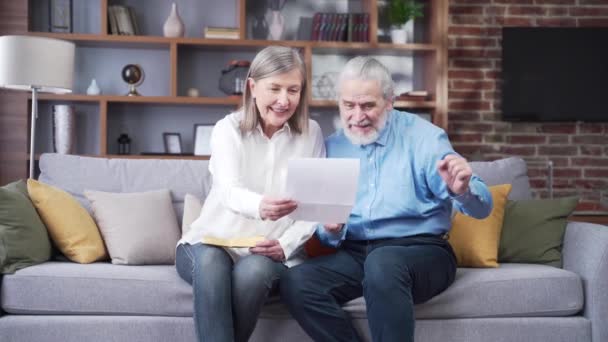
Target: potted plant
<point>401,14</point>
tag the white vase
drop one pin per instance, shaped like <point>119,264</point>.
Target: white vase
<point>403,34</point>
<point>93,88</point>
<point>174,26</point>
<point>276,25</point>
<point>64,129</point>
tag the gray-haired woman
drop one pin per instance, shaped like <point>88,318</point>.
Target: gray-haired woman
<point>250,149</point>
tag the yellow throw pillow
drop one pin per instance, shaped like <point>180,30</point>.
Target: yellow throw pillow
<point>70,226</point>
<point>474,241</point>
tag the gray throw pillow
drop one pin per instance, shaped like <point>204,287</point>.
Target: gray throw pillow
<point>137,228</point>
<point>510,170</point>
<point>24,240</point>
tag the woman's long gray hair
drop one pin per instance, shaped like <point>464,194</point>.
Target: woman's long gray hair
<point>274,60</point>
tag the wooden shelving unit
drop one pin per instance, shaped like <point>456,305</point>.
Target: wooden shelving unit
<point>432,52</point>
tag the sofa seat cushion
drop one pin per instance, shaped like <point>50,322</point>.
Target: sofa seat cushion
<point>97,288</point>
<point>511,290</point>
<point>104,289</point>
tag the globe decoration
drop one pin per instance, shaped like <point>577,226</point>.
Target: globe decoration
<point>134,75</point>
<point>234,76</point>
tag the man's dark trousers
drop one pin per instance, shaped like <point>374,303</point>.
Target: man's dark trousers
<point>392,274</point>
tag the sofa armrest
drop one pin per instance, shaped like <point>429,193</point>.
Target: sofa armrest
<point>585,252</point>
<point>1,311</point>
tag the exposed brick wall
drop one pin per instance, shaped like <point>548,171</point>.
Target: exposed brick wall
<point>579,151</point>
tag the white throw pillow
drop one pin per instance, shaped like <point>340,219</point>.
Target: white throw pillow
<point>137,228</point>
<point>192,210</point>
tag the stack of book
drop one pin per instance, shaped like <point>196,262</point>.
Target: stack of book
<point>414,95</point>
<point>340,27</point>
<point>122,20</point>
<point>221,32</point>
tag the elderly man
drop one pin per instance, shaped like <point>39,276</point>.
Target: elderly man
<point>393,248</point>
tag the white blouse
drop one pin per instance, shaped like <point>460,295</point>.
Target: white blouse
<point>244,168</point>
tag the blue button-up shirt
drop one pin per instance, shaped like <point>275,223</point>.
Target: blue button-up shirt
<point>400,191</point>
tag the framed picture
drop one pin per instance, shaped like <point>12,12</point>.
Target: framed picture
<point>60,16</point>
<point>202,139</point>
<point>173,143</point>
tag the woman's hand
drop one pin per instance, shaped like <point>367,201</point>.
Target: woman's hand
<point>269,248</point>
<point>273,209</point>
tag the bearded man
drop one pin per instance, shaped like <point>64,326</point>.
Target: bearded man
<point>393,249</point>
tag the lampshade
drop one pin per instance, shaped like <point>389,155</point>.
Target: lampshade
<point>45,63</point>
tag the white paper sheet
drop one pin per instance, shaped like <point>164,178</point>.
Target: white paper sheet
<point>325,189</point>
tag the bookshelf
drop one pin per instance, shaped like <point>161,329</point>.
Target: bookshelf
<point>172,65</point>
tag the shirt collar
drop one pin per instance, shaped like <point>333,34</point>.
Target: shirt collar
<point>286,128</point>
<point>383,138</point>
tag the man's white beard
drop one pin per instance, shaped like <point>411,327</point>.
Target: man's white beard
<point>365,139</point>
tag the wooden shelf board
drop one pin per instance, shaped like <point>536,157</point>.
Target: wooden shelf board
<point>238,44</point>
<point>178,100</point>
<point>397,104</point>
<point>109,40</point>
<point>131,156</point>
<point>152,156</point>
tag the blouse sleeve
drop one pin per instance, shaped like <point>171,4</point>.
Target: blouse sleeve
<point>224,166</point>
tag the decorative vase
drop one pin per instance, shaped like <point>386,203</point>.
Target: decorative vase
<point>403,34</point>
<point>259,28</point>
<point>276,25</point>
<point>64,128</point>
<point>174,26</point>
<point>93,88</point>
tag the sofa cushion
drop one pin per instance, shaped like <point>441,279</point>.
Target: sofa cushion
<point>99,288</point>
<point>70,226</point>
<point>105,289</point>
<point>138,228</point>
<point>475,241</point>
<point>192,210</point>
<point>510,170</point>
<point>75,174</point>
<point>24,240</point>
<point>533,230</point>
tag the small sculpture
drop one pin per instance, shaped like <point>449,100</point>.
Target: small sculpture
<point>134,75</point>
<point>93,88</point>
<point>233,79</point>
<point>124,144</point>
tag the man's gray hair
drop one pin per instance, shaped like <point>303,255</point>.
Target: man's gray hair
<point>366,69</point>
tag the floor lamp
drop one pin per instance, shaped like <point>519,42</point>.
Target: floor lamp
<point>39,65</point>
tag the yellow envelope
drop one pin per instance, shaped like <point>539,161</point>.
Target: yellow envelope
<point>233,242</point>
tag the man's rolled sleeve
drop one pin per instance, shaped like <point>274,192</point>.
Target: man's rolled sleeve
<point>476,201</point>
<point>330,239</point>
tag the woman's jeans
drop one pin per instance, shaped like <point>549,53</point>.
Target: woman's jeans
<point>228,296</point>
<point>392,275</point>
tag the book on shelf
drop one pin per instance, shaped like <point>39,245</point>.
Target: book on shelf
<point>221,32</point>
<point>414,95</point>
<point>340,27</point>
<point>122,20</point>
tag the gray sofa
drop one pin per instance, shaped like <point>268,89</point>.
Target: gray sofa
<point>64,301</point>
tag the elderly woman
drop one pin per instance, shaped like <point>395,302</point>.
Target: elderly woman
<point>250,150</point>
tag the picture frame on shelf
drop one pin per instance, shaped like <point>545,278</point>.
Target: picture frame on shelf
<point>173,143</point>
<point>60,16</point>
<point>202,139</point>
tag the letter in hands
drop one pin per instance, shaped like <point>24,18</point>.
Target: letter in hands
<point>275,208</point>
<point>455,172</point>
